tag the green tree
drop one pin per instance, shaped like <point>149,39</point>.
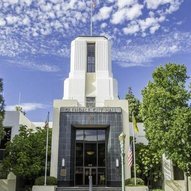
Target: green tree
<point>148,164</point>
<point>134,106</point>
<point>25,154</point>
<point>167,116</point>
<point>2,111</point>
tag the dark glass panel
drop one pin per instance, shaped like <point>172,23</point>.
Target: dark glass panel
<point>101,154</point>
<point>101,176</point>
<point>91,57</point>
<point>90,154</point>
<point>79,154</point>
<point>79,176</point>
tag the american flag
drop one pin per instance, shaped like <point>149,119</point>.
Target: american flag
<point>130,156</point>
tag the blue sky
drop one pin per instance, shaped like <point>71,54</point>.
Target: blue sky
<point>35,38</point>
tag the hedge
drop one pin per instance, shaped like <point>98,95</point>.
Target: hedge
<point>49,181</point>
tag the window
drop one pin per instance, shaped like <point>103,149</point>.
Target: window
<point>6,138</point>
<point>90,101</point>
<point>91,57</point>
<point>4,141</point>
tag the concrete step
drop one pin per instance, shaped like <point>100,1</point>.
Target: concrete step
<point>86,189</point>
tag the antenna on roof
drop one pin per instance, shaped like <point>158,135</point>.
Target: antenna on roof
<point>93,5</point>
<point>19,102</point>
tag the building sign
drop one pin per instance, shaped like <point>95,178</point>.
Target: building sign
<point>63,172</point>
<point>91,109</point>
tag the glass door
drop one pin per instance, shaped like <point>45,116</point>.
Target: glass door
<point>90,172</point>
<point>90,156</point>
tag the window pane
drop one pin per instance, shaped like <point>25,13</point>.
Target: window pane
<point>6,138</point>
<point>90,101</point>
<point>101,135</point>
<point>79,176</point>
<point>91,57</point>
<point>79,154</point>
<point>101,154</point>
<point>90,135</point>
<point>79,135</point>
<point>90,154</point>
<point>101,176</point>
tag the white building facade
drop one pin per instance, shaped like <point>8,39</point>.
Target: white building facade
<point>89,119</point>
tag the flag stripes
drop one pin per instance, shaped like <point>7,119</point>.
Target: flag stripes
<point>130,156</point>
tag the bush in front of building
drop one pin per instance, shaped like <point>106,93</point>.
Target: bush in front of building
<point>131,182</point>
<point>157,190</point>
<point>49,181</point>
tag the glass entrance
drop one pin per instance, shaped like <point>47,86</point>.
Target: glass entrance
<point>90,156</point>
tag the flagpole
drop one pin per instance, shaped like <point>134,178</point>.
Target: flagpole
<point>46,160</point>
<point>91,24</point>
<point>134,156</point>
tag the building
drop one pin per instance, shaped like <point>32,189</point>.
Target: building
<point>89,119</point>
<point>11,124</point>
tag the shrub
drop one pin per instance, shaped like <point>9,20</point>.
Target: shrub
<point>49,181</point>
<point>131,182</point>
<point>157,190</point>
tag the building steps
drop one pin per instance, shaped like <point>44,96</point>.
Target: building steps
<point>86,189</point>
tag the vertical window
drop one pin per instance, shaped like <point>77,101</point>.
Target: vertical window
<point>91,57</point>
<point>90,101</point>
<point>6,138</point>
<point>4,141</point>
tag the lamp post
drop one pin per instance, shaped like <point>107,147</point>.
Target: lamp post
<point>122,144</point>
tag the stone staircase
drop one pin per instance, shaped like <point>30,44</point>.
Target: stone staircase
<point>86,189</point>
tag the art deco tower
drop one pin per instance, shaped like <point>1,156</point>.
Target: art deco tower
<point>89,119</point>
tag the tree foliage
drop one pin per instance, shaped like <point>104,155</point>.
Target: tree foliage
<point>134,106</point>
<point>166,114</point>
<point>25,154</point>
<point>148,164</point>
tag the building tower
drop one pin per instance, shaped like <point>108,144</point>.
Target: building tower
<point>89,119</point>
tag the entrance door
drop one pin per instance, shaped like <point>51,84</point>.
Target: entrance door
<point>90,156</point>
<point>90,172</point>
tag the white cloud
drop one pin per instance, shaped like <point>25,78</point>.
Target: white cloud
<point>134,11</point>
<point>122,3</point>
<point>141,54</point>
<point>12,1</point>
<point>26,107</point>
<point>104,13</point>
<point>2,22</point>
<point>131,29</point>
<point>155,4</point>
<point>154,28</point>
<point>147,23</point>
<point>12,19</point>
<point>103,25</point>
<point>119,16</point>
<point>27,25</point>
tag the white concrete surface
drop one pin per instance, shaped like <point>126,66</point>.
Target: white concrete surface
<point>137,188</point>
<point>43,188</point>
<point>81,84</point>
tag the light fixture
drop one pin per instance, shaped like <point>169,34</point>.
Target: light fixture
<point>117,163</point>
<point>90,152</point>
<point>63,162</point>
